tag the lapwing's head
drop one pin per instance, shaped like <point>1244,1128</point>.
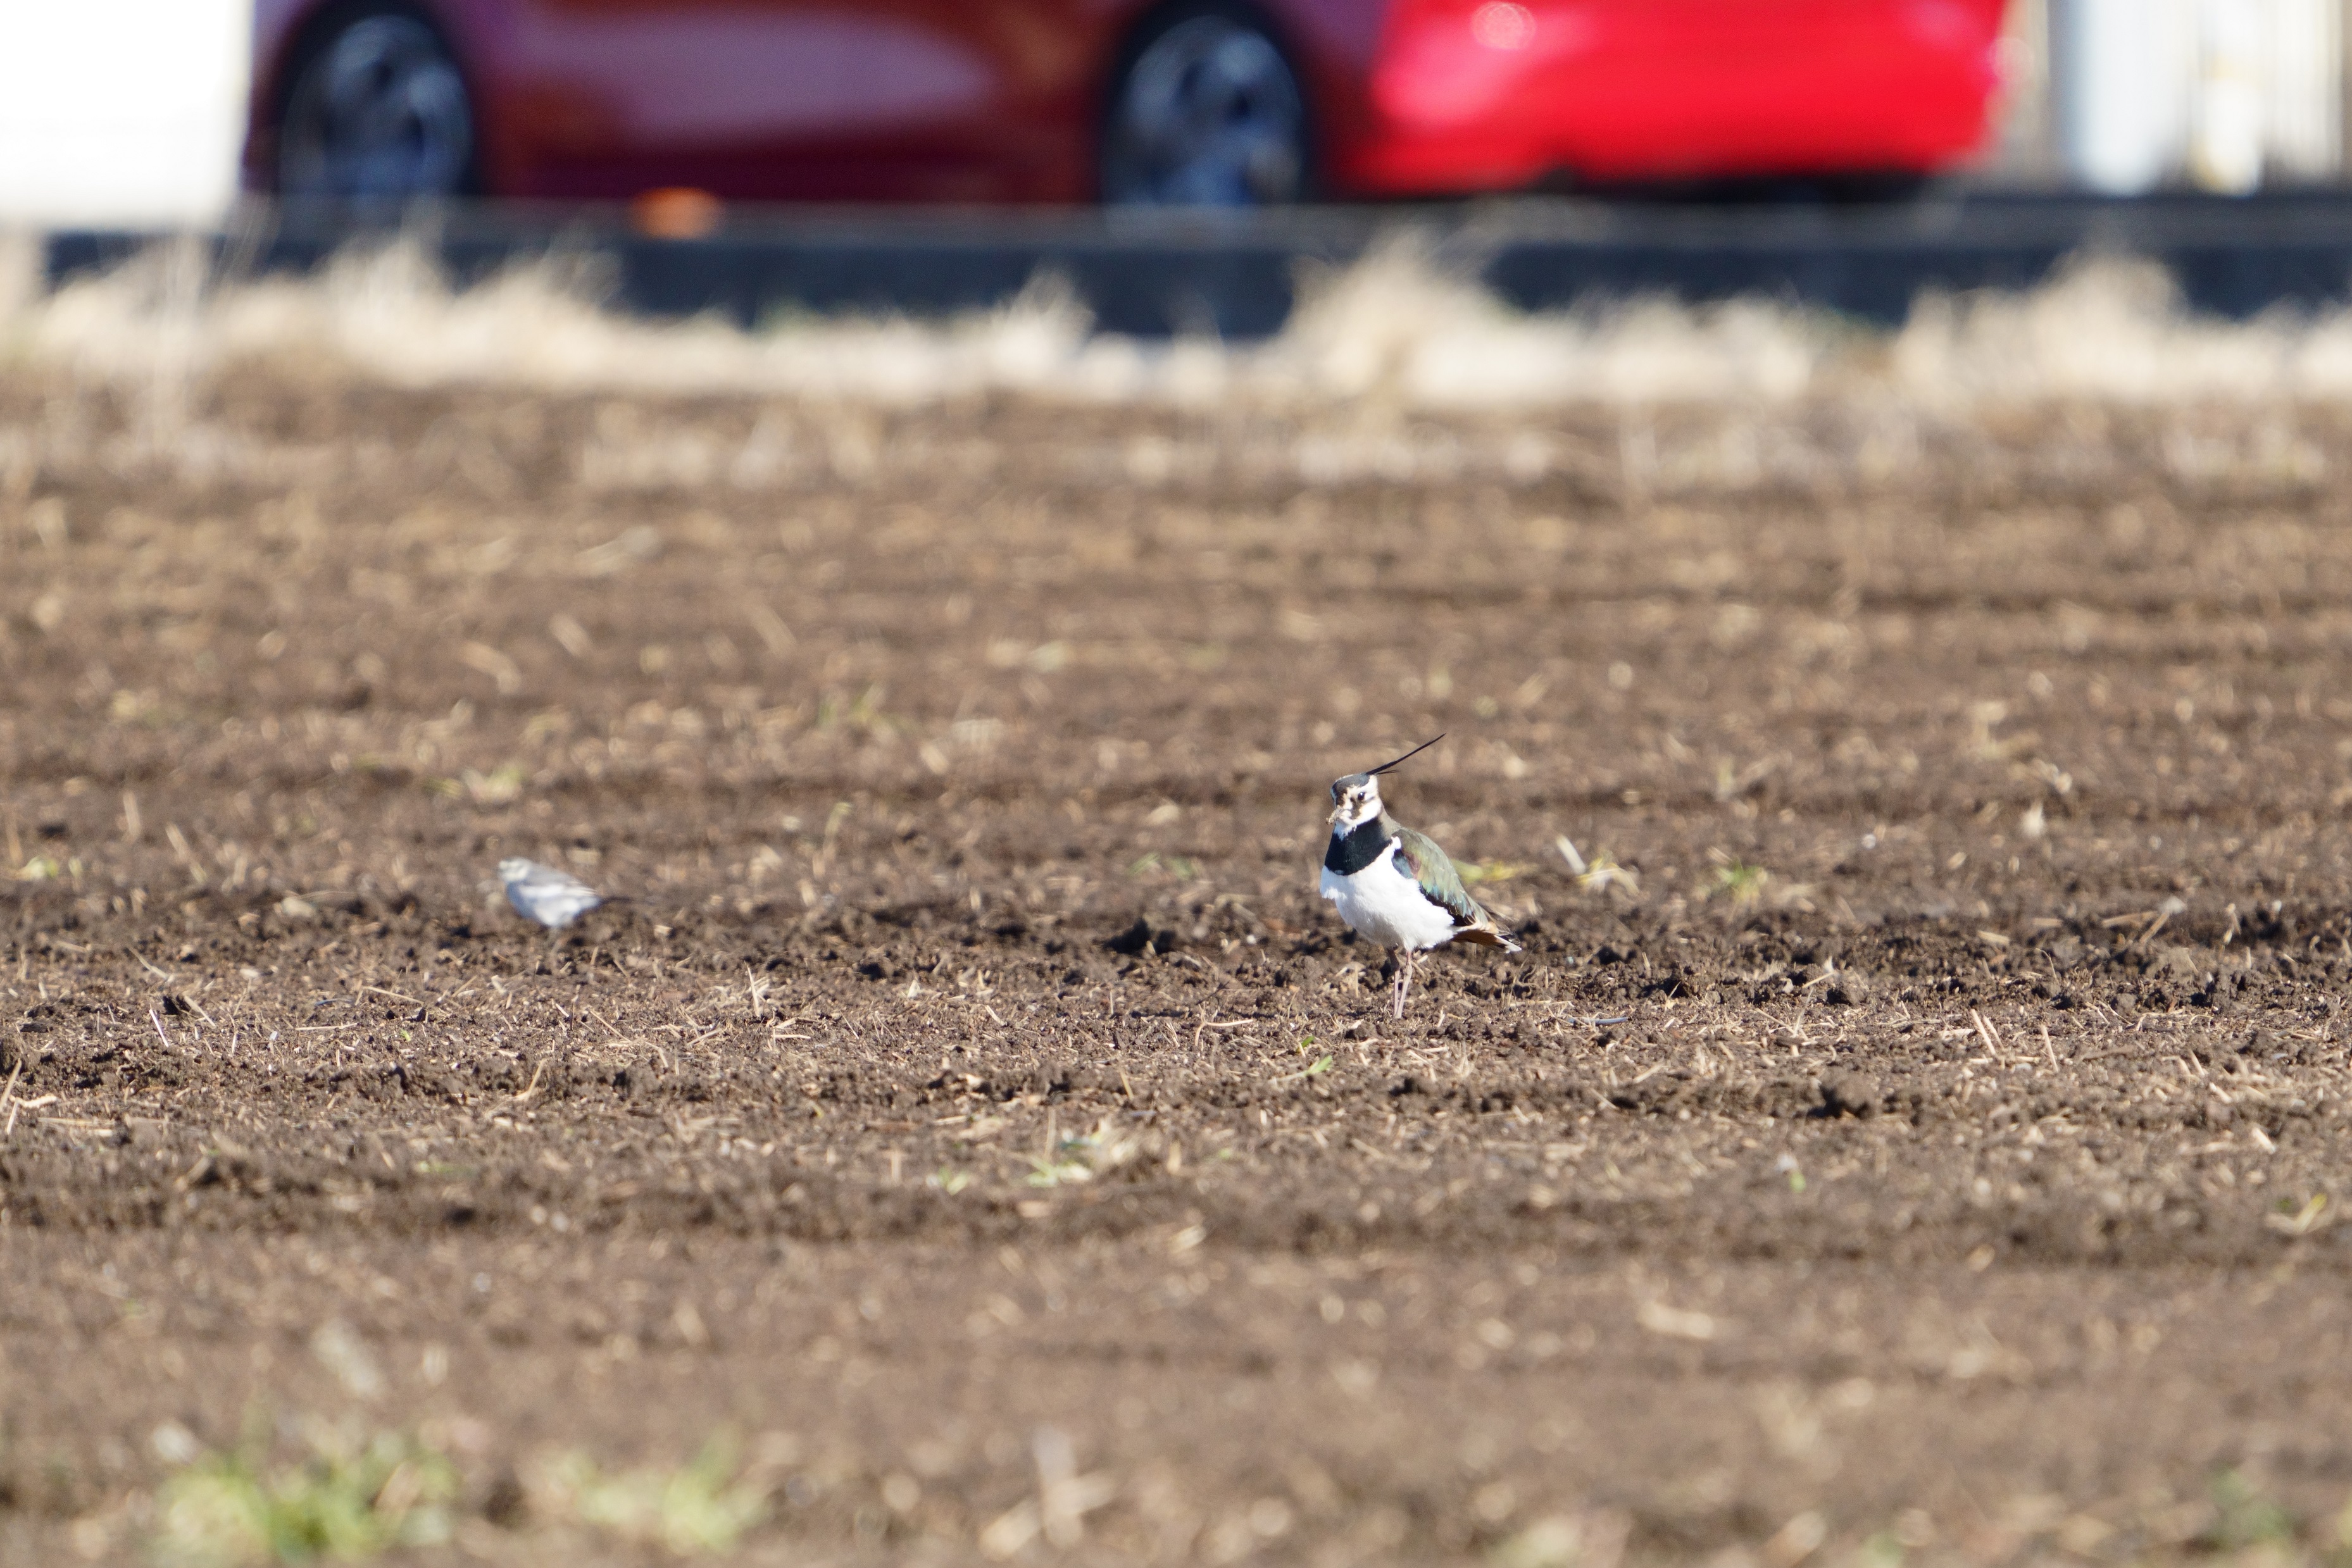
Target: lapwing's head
<point>1356,799</point>
<point>514,869</point>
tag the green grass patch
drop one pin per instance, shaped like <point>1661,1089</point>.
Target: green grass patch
<point>1736,882</point>
<point>702,1507</point>
<point>350,1499</point>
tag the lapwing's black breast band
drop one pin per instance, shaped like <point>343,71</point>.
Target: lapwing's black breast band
<point>1352,852</point>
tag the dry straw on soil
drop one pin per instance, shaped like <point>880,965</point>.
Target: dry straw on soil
<point>1393,328</point>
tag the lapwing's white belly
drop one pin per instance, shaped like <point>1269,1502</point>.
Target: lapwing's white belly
<point>1381,902</point>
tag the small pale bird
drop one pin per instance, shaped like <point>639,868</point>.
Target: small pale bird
<point>553,898</point>
<point>1395,885</point>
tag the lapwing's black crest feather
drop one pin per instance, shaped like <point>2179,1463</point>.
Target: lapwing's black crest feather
<point>1339,787</point>
<point>1416,751</point>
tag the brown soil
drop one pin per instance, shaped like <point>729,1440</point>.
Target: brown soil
<point>973,1069</point>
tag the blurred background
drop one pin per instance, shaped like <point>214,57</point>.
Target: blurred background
<point>132,113</point>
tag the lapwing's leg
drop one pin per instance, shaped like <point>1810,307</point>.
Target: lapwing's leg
<point>1403,979</point>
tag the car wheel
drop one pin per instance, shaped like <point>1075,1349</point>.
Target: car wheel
<point>377,113</point>
<point>1207,113</point>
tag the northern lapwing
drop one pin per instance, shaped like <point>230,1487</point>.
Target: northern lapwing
<point>1395,885</point>
<point>553,898</point>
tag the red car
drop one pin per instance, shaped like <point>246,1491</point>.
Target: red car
<point>1222,102</point>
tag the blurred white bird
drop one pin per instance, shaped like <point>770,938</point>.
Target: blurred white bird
<point>553,898</point>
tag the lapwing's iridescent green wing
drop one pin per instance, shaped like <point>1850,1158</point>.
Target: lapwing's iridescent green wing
<point>1419,857</point>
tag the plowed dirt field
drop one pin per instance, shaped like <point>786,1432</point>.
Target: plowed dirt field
<point>1917,1133</point>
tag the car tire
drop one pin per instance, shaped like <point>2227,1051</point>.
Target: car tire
<point>376,112</point>
<point>1205,109</point>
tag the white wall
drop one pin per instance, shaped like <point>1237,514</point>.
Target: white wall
<point>2228,95</point>
<point>121,111</point>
